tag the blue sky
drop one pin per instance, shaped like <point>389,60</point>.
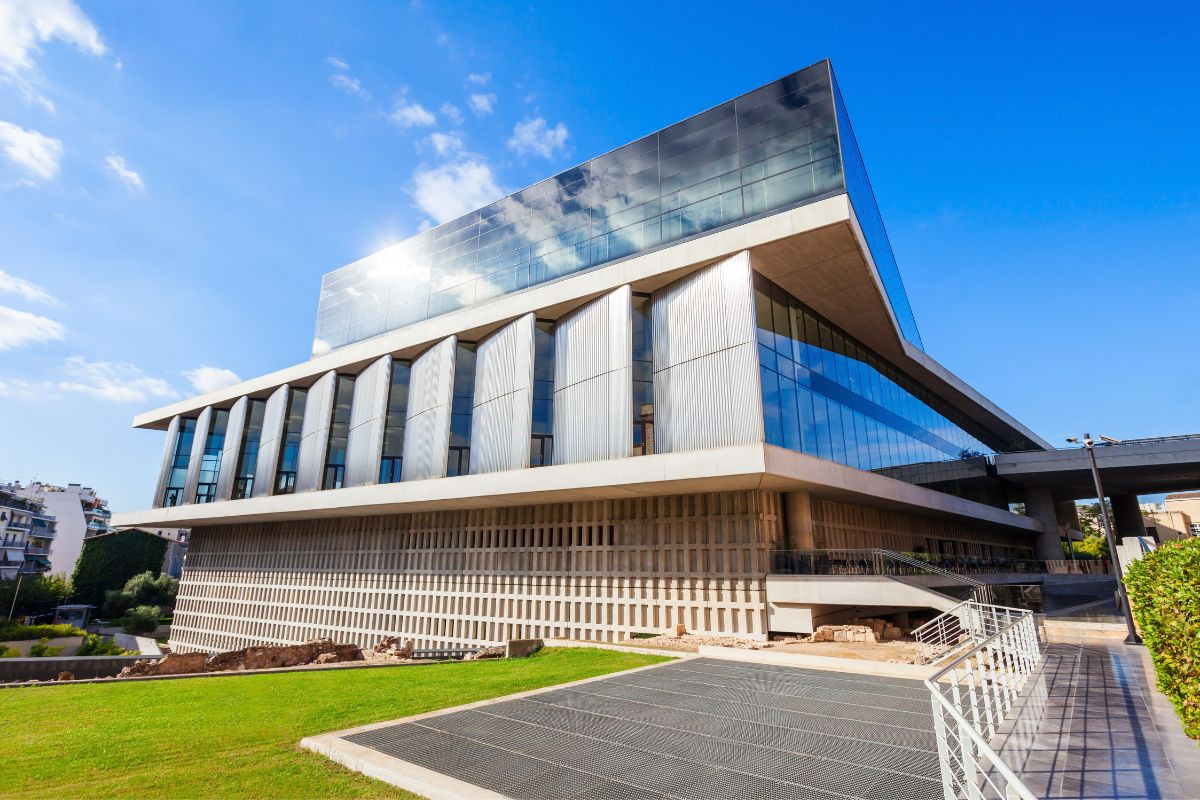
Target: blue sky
<point>176,177</point>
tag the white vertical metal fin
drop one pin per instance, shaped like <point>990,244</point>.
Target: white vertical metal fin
<point>368,416</point>
<point>502,415</point>
<point>707,391</point>
<point>197,455</point>
<point>164,469</point>
<point>232,448</point>
<point>270,442</point>
<point>314,433</point>
<point>427,419</point>
<point>593,389</point>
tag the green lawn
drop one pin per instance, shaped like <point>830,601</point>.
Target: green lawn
<point>238,736</point>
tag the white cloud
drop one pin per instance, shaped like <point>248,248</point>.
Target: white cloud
<point>11,284</point>
<point>337,63</point>
<point>37,156</point>
<point>349,85</point>
<point>446,143</point>
<point>482,104</point>
<point>117,382</point>
<point>25,25</point>
<point>411,115</point>
<point>451,190</point>
<point>533,137</point>
<point>19,328</point>
<point>451,113</point>
<point>480,78</point>
<point>209,379</point>
<point>132,180</point>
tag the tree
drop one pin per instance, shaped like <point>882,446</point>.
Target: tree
<point>141,619</point>
<point>145,589</point>
<point>38,594</point>
<point>1091,523</point>
<point>110,560</point>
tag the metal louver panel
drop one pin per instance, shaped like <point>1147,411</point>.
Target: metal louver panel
<point>502,413</point>
<point>593,393</point>
<point>231,448</point>
<point>270,442</point>
<point>427,420</point>
<point>197,455</point>
<point>314,433</point>
<point>164,469</point>
<point>706,381</point>
<point>367,419</point>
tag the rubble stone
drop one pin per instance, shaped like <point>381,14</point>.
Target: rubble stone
<point>66,675</point>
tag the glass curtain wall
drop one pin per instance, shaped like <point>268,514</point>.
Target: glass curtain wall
<point>392,457</point>
<point>459,461</point>
<point>210,461</point>
<point>339,433</point>
<point>243,482</point>
<point>643,376</point>
<point>827,395</point>
<point>541,445</point>
<point>289,450</point>
<point>177,476</point>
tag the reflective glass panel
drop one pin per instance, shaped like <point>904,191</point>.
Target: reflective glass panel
<point>459,461</point>
<point>339,432</point>
<point>210,460</point>
<point>643,376</point>
<point>180,455</point>
<point>243,483</point>
<point>289,450</point>
<point>392,457</point>
<point>541,444</point>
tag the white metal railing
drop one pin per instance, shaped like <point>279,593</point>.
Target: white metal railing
<point>965,625</point>
<point>971,698</point>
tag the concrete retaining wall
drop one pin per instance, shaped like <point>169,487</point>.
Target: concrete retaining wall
<point>42,669</point>
<point>69,644</point>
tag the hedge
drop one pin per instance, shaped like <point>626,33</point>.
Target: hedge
<point>12,632</point>
<point>109,560</point>
<point>1164,592</point>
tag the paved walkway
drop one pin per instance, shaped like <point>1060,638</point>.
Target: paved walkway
<point>1092,725</point>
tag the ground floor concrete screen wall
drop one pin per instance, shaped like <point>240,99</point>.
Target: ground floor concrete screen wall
<point>595,571</point>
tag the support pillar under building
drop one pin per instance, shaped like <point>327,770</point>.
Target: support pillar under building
<point>1127,516</point>
<point>1039,505</point>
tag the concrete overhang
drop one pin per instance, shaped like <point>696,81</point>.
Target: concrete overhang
<point>721,469</point>
<point>816,251</point>
<point>1146,466</point>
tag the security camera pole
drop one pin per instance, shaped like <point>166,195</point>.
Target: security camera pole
<point>1122,599</point>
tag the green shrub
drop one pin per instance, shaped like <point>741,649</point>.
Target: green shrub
<point>10,652</point>
<point>14,632</point>
<point>43,649</point>
<point>143,589</point>
<point>141,619</point>
<point>1164,590</point>
<point>95,645</point>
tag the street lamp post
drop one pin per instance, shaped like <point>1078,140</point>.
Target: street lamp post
<point>1122,598</point>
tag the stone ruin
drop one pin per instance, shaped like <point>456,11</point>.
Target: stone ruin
<point>868,630</point>
<point>314,651</point>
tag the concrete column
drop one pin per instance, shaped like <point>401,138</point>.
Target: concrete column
<point>1127,516</point>
<point>1039,505</point>
<point>1068,514</point>
<point>797,509</point>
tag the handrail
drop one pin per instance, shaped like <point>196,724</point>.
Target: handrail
<point>982,684</point>
<point>965,625</point>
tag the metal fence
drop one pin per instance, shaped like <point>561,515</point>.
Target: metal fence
<point>966,625</point>
<point>972,696</point>
<point>889,562</point>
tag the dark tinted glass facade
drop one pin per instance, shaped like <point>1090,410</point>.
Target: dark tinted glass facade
<point>392,457</point>
<point>765,151</point>
<point>339,432</point>
<point>541,444</point>
<point>459,461</point>
<point>643,376</point>
<point>210,461</point>
<point>289,449</point>
<point>243,483</point>
<point>177,475</point>
<point>827,395</point>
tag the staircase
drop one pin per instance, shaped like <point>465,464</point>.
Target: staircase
<point>980,592</point>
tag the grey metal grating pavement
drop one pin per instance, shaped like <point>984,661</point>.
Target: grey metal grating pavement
<point>699,729</point>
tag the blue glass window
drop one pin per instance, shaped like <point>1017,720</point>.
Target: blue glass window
<point>459,461</point>
<point>180,455</point>
<point>210,460</point>
<point>392,457</point>
<point>243,484</point>
<point>289,451</point>
<point>339,433</point>
<point>541,444</point>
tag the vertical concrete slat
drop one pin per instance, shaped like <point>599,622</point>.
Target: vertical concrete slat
<point>164,469</point>
<point>232,448</point>
<point>427,419</point>
<point>593,389</point>
<point>270,442</point>
<point>197,455</point>
<point>314,433</point>
<point>707,390</point>
<point>503,403</point>
<point>368,418</point>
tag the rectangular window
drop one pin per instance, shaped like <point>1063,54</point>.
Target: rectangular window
<point>243,482</point>
<point>289,449</point>
<point>339,432</point>
<point>541,445</point>
<point>459,461</point>
<point>177,474</point>
<point>643,376</point>
<point>392,457</point>
<point>210,461</point>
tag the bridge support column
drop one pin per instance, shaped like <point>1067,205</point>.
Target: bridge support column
<point>797,509</point>
<point>1039,505</point>
<point>1127,516</point>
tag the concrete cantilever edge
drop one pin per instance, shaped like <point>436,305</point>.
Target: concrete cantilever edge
<point>420,780</point>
